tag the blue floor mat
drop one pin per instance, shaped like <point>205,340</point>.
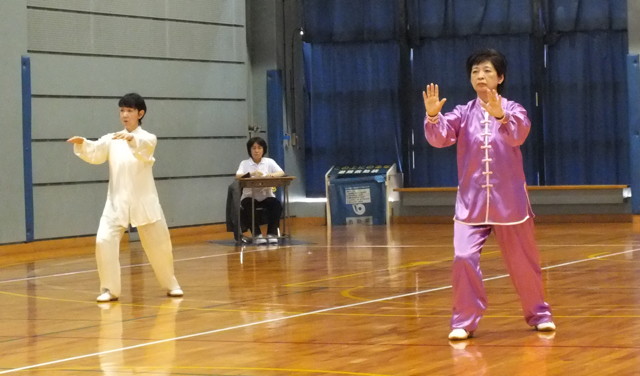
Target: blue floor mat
<point>232,242</point>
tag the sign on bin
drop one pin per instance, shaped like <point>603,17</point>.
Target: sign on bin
<point>357,197</point>
<point>358,194</point>
<point>361,202</point>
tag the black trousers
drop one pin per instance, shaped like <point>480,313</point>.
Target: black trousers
<point>272,210</point>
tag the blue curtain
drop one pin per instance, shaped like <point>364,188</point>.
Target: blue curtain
<point>367,61</point>
<point>449,18</point>
<point>432,167</point>
<point>444,34</point>
<point>353,107</point>
<point>338,21</point>
<point>352,73</point>
<point>585,104</point>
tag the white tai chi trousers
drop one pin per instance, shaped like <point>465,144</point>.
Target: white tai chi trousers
<point>156,243</point>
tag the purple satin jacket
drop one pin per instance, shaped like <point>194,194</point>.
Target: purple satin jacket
<point>491,182</point>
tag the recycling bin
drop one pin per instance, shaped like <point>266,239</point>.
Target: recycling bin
<point>360,194</point>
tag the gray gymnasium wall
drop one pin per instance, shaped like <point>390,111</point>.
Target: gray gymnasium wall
<point>187,57</point>
<point>633,20</point>
<point>273,30</point>
<point>13,44</point>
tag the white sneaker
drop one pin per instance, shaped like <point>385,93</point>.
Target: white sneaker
<point>548,326</point>
<point>459,334</point>
<point>260,239</point>
<point>272,239</point>
<point>175,293</point>
<point>106,296</point>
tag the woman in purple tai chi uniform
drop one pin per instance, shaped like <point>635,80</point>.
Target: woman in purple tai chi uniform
<point>492,193</point>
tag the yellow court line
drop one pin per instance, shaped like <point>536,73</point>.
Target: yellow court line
<point>151,368</point>
<point>410,265</point>
<point>290,317</point>
<point>347,293</point>
<point>296,370</point>
<point>406,266</point>
<point>27,296</point>
<point>571,316</point>
<point>182,308</point>
<point>45,298</point>
<point>257,311</point>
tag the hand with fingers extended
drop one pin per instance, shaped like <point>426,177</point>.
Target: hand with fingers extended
<point>432,102</point>
<point>494,105</point>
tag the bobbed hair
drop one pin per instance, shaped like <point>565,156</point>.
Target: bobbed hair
<point>133,100</point>
<point>494,57</point>
<point>257,140</point>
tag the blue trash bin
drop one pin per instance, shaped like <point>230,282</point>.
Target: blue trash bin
<point>357,194</point>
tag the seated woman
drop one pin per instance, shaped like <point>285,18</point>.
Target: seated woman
<point>260,166</point>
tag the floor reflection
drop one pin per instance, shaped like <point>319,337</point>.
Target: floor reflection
<point>523,358</point>
<point>157,358</point>
<point>467,359</point>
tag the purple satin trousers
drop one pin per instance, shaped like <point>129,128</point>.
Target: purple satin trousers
<point>520,253</point>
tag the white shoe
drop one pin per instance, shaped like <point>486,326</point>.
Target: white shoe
<point>548,326</point>
<point>272,239</point>
<point>459,334</point>
<point>106,296</point>
<point>260,239</point>
<point>175,293</point>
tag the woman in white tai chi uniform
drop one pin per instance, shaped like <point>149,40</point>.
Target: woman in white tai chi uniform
<point>132,199</point>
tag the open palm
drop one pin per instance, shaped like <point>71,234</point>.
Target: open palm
<point>432,102</point>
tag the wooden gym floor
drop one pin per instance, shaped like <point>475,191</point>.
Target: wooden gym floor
<point>365,301</point>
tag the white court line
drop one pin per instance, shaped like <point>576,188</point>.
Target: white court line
<point>295,316</point>
<point>142,264</point>
<point>286,246</point>
<point>451,245</point>
<point>123,267</point>
<point>200,258</point>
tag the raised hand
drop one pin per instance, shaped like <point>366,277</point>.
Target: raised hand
<point>432,103</point>
<point>494,104</point>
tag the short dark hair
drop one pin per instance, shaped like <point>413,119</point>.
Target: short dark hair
<point>133,100</point>
<point>257,140</point>
<point>494,57</point>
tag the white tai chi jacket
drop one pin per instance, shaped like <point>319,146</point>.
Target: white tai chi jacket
<point>132,197</point>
